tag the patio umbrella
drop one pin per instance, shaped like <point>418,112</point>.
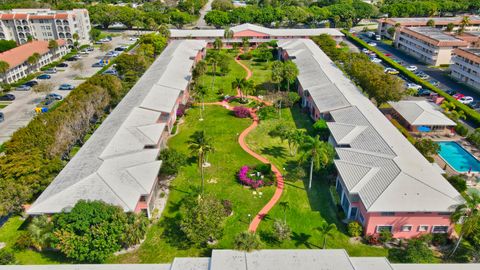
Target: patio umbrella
<point>424,129</point>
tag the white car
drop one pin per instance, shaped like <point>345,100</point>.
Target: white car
<point>413,86</point>
<point>391,71</point>
<point>412,68</point>
<point>365,50</point>
<point>466,100</point>
<point>373,44</point>
<point>375,60</point>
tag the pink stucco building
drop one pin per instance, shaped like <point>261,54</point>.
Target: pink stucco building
<point>383,182</point>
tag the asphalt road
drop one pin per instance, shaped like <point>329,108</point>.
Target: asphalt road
<point>22,109</point>
<point>201,21</point>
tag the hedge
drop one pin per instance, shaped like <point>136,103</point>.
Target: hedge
<point>405,132</point>
<point>471,114</point>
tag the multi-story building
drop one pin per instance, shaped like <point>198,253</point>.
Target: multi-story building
<point>45,24</point>
<point>17,58</point>
<point>466,66</point>
<point>383,180</point>
<point>440,22</point>
<point>427,44</point>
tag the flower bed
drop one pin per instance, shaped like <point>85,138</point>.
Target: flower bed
<point>241,112</point>
<point>257,176</point>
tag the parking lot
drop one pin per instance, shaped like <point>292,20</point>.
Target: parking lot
<point>22,109</point>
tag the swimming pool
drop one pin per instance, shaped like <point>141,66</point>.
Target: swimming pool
<point>458,158</point>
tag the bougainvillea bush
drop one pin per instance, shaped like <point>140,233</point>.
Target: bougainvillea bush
<point>248,176</point>
<point>241,112</point>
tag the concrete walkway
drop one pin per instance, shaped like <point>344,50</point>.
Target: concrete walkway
<point>241,140</point>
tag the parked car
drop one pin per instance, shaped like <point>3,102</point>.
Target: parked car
<point>388,54</point>
<point>474,104</point>
<point>398,61</point>
<point>31,83</point>
<point>51,71</point>
<point>7,97</point>
<point>89,49</point>
<point>72,59</point>
<point>365,50</point>
<point>413,86</point>
<point>375,60</point>
<point>434,82</point>
<point>466,100</point>
<point>451,92</point>
<point>98,64</point>
<point>54,96</point>
<point>412,68</point>
<point>62,65</point>
<point>23,87</point>
<point>458,96</point>
<point>66,86</point>
<point>391,71</point>
<point>121,48</point>
<point>49,101</point>
<point>2,117</point>
<point>44,77</point>
<point>373,44</point>
<point>424,92</point>
<point>112,54</point>
<point>83,52</point>
<point>133,39</point>
<point>110,72</point>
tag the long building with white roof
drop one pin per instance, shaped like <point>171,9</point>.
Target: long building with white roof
<point>119,163</point>
<point>383,181</point>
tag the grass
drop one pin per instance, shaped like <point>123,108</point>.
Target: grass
<point>163,242</point>
<point>3,105</point>
<point>9,233</point>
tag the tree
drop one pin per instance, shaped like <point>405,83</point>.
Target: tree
<point>238,84</point>
<point>277,73</point>
<point>463,24</point>
<point>295,137</point>
<point>245,44</point>
<point>200,69</point>
<point>458,182</point>
<point>417,251</point>
<point>6,45</point>
<point>163,30</point>
<point>427,147</point>
<point>321,128</point>
<point>40,232</point>
<point>201,91</point>
<point>202,219</point>
<point>133,64</point>
<point>290,72</point>
<point>201,145</point>
<point>172,160</point>
<point>285,206</point>
<point>217,18</point>
<point>247,241</point>
<point>224,65</point>
<point>217,44</point>
<point>450,27</point>
<point>228,34</point>
<point>354,229</point>
<point>6,257</point>
<point>431,23</point>
<point>213,59</point>
<point>223,5</point>
<point>468,215</point>
<point>326,230</point>
<point>319,153</point>
<point>95,34</point>
<point>33,60</point>
<point>44,87</point>
<point>53,46</point>
<point>4,67</point>
<point>281,230</point>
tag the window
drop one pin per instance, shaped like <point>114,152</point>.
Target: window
<point>423,228</point>
<point>439,229</point>
<point>361,218</point>
<point>353,212</point>
<point>387,214</point>
<point>444,214</point>
<point>406,228</point>
<point>382,228</point>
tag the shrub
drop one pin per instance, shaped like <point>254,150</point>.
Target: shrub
<point>241,112</point>
<point>281,230</point>
<point>180,111</point>
<point>385,236</point>
<point>172,160</point>
<point>427,238</point>
<point>246,56</point>
<point>474,137</point>
<point>355,229</point>
<point>440,239</point>
<point>266,112</point>
<point>458,182</point>
<point>227,204</point>
<point>243,176</point>
<point>6,257</point>
<point>372,239</point>
<point>24,241</point>
<point>247,241</point>
<point>418,252</point>
<point>461,130</point>
<point>265,169</point>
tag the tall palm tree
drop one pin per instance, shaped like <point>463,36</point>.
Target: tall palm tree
<point>217,44</point>
<point>238,83</point>
<point>245,44</point>
<point>463,24</point>
<point>228,34</point>
<point>319,153</point>
<point>200,69</point>
<point>33,60</point>
<point>295,138</point>
<point>326,230</point>
<point>53,46</point>
<point>40,231</point>
<point>4,67</point>
<point>248,88</point>
<point>468,215</point>
<point>213,59</point>
<point>290,72</point>
<point>200,145</point>
<point>201,91</point>
<point>277,73</point>
<point>285,206</point>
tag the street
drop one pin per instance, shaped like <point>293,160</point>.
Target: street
<point>201,21</point>
<point>22,109</point>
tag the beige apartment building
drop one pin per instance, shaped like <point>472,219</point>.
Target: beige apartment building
<point>427,44</point>
<point>45,24</point>
<point>466,66</point>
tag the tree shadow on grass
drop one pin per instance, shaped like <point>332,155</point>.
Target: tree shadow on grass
<point>268,237</point>
<point>303,239</point>
<point>173,234</point>
<point>274,151</point>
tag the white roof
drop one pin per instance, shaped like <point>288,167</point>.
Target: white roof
<point>273,32</point>
<point>421,113</point>
<point>378,164</point>
<point>114,166</point>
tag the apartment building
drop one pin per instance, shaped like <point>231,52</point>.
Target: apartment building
<point>429,45</point>
<point>17,58</point>
<point>45,24</point>
<point>466,66</point>
<point>440,23</point>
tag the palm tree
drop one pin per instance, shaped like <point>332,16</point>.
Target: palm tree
<point>4,67</point>
<point>290,72</point>
<point>295,138</point>
<point>326,230</point>
<point>238,83</point>
<point>431,23</point>
<point>247,241</point>
<point>200,69</point>
<point>228,34</point>
<point>40,231</point>
<point>245,44</point>
<point>200,145</point>
<point>318,152</point>
<point>53,46</point>
<point>463,24</point>
<point>285,206</point>
<point>213,59</point>
<point>248,88</point>
<point>33,60</point>
<point>217,44</point>
<point>277,73</point>
<point>468,215</point>
<point>201,91</point>
<point>163,30</point>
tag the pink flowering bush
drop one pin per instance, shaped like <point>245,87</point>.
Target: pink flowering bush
<point>246,180</point>
<point>241,112</point>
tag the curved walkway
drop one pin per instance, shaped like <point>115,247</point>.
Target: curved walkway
<point>241,140</point>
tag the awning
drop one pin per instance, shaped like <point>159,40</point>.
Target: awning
<point>424,129</point>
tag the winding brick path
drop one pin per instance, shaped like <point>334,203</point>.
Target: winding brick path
<point>241,140</point>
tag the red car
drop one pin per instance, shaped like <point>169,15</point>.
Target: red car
<point>388,54</point>
<point>458,96</point>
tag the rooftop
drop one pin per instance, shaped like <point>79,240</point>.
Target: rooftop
<point>17,56</point>
<point>114,166</point>
<point>422,21</point>
<point>421,113</point>
<point>380,165</point>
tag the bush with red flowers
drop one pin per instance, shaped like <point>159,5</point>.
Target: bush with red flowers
<point>241,112</point>
<point>256,177</point>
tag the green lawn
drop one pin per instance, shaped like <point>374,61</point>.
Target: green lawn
<point>162,243</point>
<point>3,105</point>
<point>307,209</point>
<point>9,233</point>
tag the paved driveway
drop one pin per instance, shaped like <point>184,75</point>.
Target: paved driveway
<point>201,21</point>
<point>22,109</point>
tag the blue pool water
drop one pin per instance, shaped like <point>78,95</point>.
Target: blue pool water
<point>458,158</point>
